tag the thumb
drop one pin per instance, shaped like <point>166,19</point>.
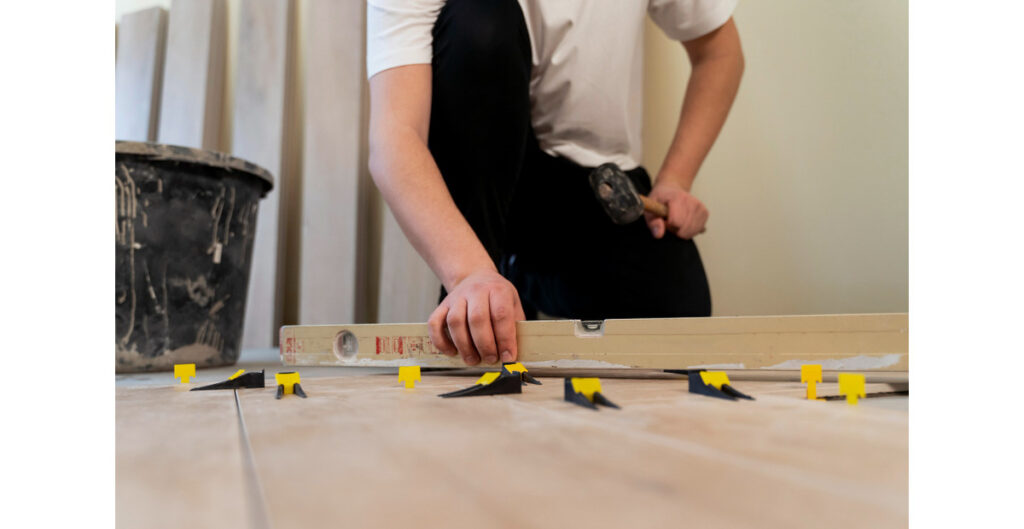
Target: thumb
<point>656,225</point>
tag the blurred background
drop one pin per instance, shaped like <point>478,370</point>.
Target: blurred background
<point>807,185</point>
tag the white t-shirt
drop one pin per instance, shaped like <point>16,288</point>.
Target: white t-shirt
<point>587,81</point>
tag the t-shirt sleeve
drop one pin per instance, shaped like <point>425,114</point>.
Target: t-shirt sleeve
<point>685,20</point>
<point>399,32</point>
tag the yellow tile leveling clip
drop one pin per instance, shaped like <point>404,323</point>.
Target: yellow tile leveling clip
<point>518,367</point>
<point>714,384</point>
<point>492,383</point>
<point>288,383</point>
<point>510,379</point>
<point>409,375</point>
<point>184,372</point>
<point>586,392</point>
<point>487,378</point>
<point>237,381</point>
<point>810,374</point>
<point>851,385</point>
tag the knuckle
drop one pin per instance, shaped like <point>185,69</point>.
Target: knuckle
<point>477,318</point>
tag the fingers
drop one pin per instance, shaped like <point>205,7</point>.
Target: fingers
<point>702,219</point>
<point>685,229</point>
<point>698,219</point>
<point>503,318</point>
<point>692,216</point>
<point>479,316</point>
<point>678,213</point>
<point>437,326</point>
<point>687,216</point>
<point>478,320</point>
<point>458,327</point>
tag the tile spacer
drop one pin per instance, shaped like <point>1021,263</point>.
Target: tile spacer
<point>409,375</point>
<point>851,385</point>
<point>184,372</point>
<point>810,374</point>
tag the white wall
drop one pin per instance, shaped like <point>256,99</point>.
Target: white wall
<point>807,185</point>
<point>293,222</point>
<point>228,100</point>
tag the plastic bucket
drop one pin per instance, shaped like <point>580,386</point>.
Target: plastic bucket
<point>186,220</point>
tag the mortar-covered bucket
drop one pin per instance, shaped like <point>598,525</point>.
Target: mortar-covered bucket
<point>186,219</point>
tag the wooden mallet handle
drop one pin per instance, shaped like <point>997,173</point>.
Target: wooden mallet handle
<point>653,206</point>
<point>657,208</point>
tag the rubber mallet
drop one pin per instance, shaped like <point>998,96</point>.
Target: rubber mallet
<point>619,197</point>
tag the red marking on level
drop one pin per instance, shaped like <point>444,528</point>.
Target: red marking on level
<point>288,348</point>
<point>405,345</point>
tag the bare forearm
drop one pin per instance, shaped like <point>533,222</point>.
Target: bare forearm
<point>717,69</point>
<point>407,176</point>
<point>477,318</point>
<point>410,181</point>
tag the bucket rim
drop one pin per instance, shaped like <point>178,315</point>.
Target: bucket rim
<point>161,151</point>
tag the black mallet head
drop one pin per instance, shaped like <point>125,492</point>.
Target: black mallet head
<point>616,193</point>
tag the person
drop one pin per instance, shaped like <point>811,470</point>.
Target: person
<point>486,117</point>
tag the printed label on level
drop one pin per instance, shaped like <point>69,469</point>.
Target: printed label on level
<point>290,345</point>
<point>405,345</point>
